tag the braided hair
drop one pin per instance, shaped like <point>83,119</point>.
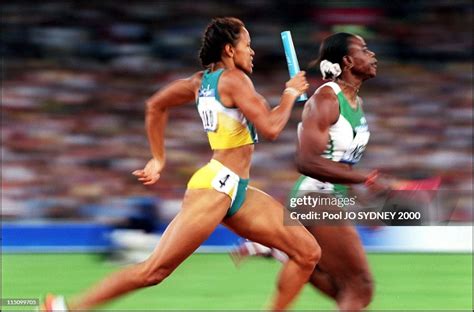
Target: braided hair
<point>218,33</point>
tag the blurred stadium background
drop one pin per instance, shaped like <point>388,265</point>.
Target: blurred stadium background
<point>75,75</point>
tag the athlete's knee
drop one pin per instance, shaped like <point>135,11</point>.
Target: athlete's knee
<point>308,252</point>
<point>360,288</point>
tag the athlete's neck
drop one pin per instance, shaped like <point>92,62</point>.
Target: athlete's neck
<point>225,63</point>
<point>350,87</point>
<point>353,86</point>
<point>216,66</point>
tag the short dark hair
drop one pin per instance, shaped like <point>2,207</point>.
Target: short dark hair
<point>333,49</point>
<point>218,33</point>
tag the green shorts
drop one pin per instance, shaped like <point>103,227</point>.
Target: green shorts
<point>305,185</point>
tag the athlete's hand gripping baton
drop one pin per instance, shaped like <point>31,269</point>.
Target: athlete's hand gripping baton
<point>291,59</point>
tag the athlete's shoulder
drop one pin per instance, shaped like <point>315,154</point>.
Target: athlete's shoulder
<point>325,91</point>
<point>322,105</point>
<point>234,73</point>
<point>192,82</point>
<point>324,96</point>
<point>235,78</point>
<point>196,77</point>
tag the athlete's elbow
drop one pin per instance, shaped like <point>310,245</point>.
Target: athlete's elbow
<point>301,165</point>
<point>272,136</point>
<point>271,133</point>
<point>307,166</point>
<point>152,107</point>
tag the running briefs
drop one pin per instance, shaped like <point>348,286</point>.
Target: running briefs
<point>216,176</point>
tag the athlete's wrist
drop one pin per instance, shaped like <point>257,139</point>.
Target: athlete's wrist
<point>292,91</point>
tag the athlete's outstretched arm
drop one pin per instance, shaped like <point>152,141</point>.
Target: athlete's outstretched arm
<point>238,90</point>
<point>320,112</point>
<point>179,92</point>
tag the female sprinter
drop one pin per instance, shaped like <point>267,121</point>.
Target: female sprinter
<point>218,192</point>
<point>331,139</point>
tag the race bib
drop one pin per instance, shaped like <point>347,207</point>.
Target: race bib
<point>226,182</point>
<point>208,113</point>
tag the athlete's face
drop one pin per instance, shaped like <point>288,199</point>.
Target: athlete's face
<point>243,53</point>
<point>363,60</point>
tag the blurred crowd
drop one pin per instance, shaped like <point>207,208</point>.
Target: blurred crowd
<point>76,76</point>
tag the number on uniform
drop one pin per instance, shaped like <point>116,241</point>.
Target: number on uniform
<point>208,113</point>
<point>224,180</point>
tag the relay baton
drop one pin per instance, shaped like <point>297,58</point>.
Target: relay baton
<point>291,59</point>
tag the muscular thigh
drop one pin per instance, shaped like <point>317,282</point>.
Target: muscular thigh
<point>201,212</point>
<point>343,255</point>
<point>260,219</point>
